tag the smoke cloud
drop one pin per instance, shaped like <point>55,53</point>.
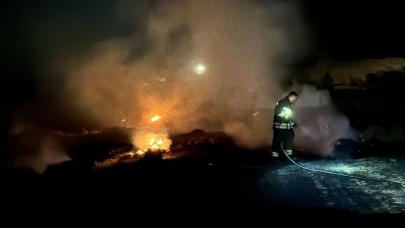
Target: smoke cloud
<point>245,46</point>
<point>320,124</point>
<point>121,68</point>
<point>37,149</point>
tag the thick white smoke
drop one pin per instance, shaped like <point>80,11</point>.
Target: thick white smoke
<point>243,44</point>
<point>320,124</point>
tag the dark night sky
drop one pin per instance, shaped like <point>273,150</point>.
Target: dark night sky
<point>33,32</point>
<point>346,30</point>
<point>341,29</point>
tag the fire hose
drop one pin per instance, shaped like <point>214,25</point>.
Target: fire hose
<point>337,173</point>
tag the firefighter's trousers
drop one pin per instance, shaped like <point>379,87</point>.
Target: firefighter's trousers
<point>282,138</point>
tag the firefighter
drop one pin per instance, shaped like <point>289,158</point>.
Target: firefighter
<point>283,125</point>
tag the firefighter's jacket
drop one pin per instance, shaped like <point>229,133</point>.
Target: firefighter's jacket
<point>283,115</point>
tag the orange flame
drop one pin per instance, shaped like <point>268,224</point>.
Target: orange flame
<point>157,142</point>
<point>146,141</point>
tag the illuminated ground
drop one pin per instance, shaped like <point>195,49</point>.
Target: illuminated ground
<point>292,186</point>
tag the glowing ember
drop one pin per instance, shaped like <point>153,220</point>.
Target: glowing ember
<point>155,118</point>
<point>140,152</point>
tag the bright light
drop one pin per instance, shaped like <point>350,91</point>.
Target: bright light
<point>286,113</point>
<point>155,143</point>
<point>200,69</point>
<point>159,141</point>
<point>154,147</point>
<point>155,118</point>
<point>148,141</point>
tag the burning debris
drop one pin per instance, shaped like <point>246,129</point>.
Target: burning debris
<point>146,141</point>
<point>139,153</point>
<point>196,143</point>
<point>152,139</point>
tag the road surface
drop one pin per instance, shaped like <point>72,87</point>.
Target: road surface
<point>292,186</point>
